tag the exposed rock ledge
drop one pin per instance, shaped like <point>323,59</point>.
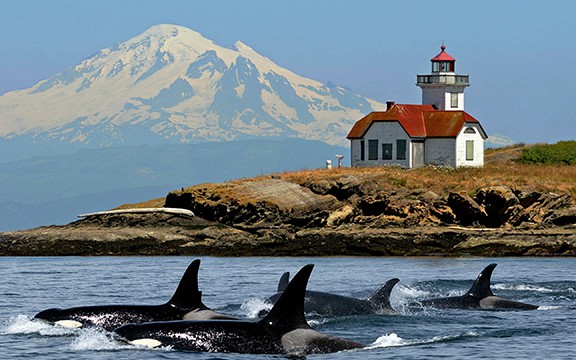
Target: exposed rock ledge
<point>168,234</point>
<point>346,215</point>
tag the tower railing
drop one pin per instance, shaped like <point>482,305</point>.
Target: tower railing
<point>451,79</point>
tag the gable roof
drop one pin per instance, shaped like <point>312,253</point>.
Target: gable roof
<point>417,121</point>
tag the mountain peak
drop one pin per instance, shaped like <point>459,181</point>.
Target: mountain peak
<point>173,84</point>
<point>175,39</point>
<point>166,31</point>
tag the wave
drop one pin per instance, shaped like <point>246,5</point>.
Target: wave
<point>393,340</point>
<point>408,292</point>
<point>96,339</point>
<point>22,324</point>
<point>549,307</point>
<point>254,306</point>
<point>522,287</point>
<point>84,339</point>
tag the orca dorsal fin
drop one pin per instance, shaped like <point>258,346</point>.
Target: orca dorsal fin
<point>187,294</point>
<point>481,287</point>
<point>288,312</point>
<point>284,280</point>
<point>382,296</point>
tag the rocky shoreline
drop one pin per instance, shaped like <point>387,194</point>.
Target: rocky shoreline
<point>167,234</point>
<point>337,215</point>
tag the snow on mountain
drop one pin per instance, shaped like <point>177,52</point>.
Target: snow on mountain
<point>170,84</point>
<point>498,140</point>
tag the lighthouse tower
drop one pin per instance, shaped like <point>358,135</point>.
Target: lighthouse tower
<point>443,88</point>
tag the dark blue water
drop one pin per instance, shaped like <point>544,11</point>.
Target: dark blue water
<point>240,285</point>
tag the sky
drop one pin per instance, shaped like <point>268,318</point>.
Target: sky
<point>520,54</point>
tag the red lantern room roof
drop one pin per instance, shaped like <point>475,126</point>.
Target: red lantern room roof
<point>443,56</point>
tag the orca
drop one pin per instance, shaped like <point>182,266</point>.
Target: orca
<point>284,330</point>
<point>186,303</point>
<point>479,296</point>
<point>328,304</point>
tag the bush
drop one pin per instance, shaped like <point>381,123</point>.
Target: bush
<point>561,153</point>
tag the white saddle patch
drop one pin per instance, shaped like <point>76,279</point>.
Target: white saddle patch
<point>206,315</point>
<point>150,343</point>
<point>71,324</point>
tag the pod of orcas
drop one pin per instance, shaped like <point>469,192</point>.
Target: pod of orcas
<point>186,323</point>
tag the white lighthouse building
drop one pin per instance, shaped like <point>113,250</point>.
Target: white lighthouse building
<point>443,88</point>
<point>437,132</point>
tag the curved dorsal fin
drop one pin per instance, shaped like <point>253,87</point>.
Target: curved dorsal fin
<point>382,295</point>
<point>288,312</point>
<point>187,294</point>
<point>284,280</point>
<point>481,287</point>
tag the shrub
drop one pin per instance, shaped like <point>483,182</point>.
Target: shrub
<point>561,153</point>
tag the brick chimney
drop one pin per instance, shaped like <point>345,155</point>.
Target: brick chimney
<point>389,104</point>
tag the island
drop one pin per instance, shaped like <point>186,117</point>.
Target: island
<point>502,209</point>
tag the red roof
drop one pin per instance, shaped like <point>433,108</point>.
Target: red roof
<point>417,121</point>
<point>443,56</point>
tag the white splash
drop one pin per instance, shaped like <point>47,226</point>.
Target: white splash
<point>393,340</point>
<point>253,307</point>
<point>22,324</point>
<point>522,287</point>
<point>96,339</point>
<point>388,340</point>
<point>407,292</point>
<point>317,322</point>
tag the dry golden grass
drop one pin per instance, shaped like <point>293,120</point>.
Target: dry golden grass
<point>442,180</point>
<point>153,203</point>
<point>499,169</point>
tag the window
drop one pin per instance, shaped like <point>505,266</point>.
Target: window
<point>454,100</point>
<point>469,150</point>
<point>362,151</point>
<point>442,66</point>
<point>469,130</point>
<point>372,149</point>
<point>400,149</point>
<point>386,151</point>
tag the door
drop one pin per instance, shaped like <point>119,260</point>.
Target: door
<point>417,153</point>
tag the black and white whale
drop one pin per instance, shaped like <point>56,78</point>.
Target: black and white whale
<point>328,304</point>
<point>283,331</point>
<point>186,303</point>
<point>479,296</point>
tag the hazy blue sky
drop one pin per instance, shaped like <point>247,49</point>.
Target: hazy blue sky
<point>520,54</point>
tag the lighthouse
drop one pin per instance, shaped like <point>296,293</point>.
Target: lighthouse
<point>443,88</point>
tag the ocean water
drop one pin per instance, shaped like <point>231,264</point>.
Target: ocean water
<point>240,286</point>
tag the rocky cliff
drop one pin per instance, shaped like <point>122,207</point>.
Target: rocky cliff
<point>341,212</point>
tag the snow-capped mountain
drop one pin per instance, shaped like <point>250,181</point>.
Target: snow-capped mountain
<point>170,84</point>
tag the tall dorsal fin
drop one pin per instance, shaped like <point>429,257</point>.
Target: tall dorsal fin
<point>382,295</point>
<point>288,312</point>
<point>187,294</point>
<point>284,280</point>
<point>481,287</point>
